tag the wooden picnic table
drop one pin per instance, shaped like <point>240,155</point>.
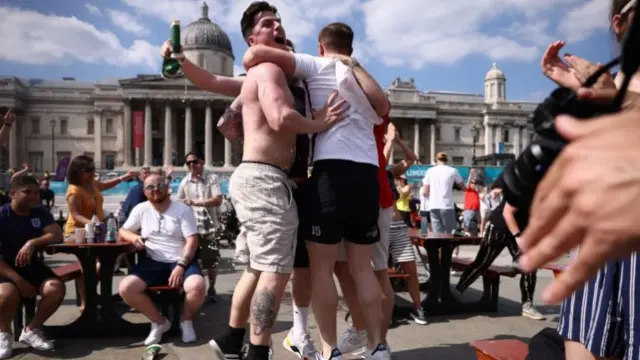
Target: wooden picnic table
<point>439,247</point>
<point>99,318</point>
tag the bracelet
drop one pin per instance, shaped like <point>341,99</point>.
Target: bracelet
<point>516,235</point>
<point>182,265</point>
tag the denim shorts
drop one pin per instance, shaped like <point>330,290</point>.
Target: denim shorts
<point>156,273</point>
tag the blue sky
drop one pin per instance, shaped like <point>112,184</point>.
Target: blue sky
<point>442,45</point>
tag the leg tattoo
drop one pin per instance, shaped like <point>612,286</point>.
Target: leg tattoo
<point>263,311</point>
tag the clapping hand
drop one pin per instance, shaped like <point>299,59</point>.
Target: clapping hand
<point>9,117</point>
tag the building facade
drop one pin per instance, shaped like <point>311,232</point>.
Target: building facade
<point>151,121</point>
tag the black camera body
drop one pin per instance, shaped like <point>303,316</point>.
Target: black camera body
<point>522,176</point>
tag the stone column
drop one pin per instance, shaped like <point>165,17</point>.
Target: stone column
<point>228,153</point>
<point>148,135</point>
<point>97,140</point>
<point>188,129</point>
<point>488,138</point>
<point>525,137</point>
<point>498,137</point>
<point>13,145</point>
<point>416,137</point>
<point>516,140</point>
<point>432,142</point>
<point>208,136</point>
<point>168,135</point>
<point>126,135</point>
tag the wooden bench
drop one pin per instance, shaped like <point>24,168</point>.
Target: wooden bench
<point>507,349</point>
<point>556,268</point>
<point>27,307</point>
<point>490,280</point>
<point>170,300</point>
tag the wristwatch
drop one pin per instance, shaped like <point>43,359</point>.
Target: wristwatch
<point>354,63</point>
<point>182,265</point>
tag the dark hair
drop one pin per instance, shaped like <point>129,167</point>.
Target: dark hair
<point>616,8</point>
<point>289,43</point>
<point>248,20</point>
<point>192,153</point>
<point>337,37</point>
<point>79,165</point>
<point>23,180</point>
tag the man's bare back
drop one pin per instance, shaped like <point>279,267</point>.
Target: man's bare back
<point>264,141</point>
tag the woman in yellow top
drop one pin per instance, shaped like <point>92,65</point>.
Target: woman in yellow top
<point>84,194</point>
<point>403,204</point>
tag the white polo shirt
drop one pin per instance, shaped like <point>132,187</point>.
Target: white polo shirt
<point>441,179</point>
<point>351,139</point>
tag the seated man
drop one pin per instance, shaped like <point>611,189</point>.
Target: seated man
<point>168,234</point>
<point>26,227</point>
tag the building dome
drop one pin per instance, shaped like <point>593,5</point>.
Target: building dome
<point>203,34</point>
<point>494,74</point>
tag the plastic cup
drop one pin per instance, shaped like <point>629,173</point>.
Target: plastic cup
<point>78,236</point>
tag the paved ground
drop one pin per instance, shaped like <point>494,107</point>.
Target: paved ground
<point>445,337</point>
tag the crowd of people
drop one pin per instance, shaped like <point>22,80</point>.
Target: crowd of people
<point>350,215</point>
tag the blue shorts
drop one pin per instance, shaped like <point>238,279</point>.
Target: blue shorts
<point>602,315</point>
<point>156,273</point>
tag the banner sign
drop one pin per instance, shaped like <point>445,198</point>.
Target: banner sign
<point>138,129</point>
<point>416,173</point>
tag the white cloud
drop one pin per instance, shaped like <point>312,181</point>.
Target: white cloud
<point>34,38</point>
<point>126,22</point>
<point>586,19</point>
<point>534,32</point>
<point>93,10</point>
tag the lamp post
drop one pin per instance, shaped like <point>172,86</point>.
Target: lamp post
<point>475,131</point>
<point>52,123</point>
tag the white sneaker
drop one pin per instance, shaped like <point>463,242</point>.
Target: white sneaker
<point>35,338</point>
<point>6,345</point>
<point>381,352</point>
<point>157,330</point>
<point>352,340</point>
<point>188,332</point>
<point>301,346</point>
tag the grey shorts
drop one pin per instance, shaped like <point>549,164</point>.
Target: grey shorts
<point>263,199</point>
<point>380,250</point>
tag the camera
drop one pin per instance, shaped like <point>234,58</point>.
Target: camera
<point>521,177</point>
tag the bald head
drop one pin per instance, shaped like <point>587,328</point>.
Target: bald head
<point>153,178</point>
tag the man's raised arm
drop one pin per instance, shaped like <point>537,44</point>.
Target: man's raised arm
<point>259,54</point>
<point>202,78</point>
<point>276,101</point>
<point>369,85</point>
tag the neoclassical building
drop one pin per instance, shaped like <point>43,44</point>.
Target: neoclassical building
<point>148,120</point>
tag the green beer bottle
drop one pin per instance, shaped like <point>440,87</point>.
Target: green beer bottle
<point>171,66</point>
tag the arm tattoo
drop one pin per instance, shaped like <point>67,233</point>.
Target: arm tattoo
<point>263,311</point>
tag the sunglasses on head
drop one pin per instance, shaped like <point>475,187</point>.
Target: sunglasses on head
<point>159,186</point>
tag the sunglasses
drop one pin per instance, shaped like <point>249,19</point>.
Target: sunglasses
<point>151,187</point>
<point>192,162</point>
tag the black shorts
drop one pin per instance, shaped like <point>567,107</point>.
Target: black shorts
<point>342,201</point>
<point>35,273</point>
<point>301,259</point>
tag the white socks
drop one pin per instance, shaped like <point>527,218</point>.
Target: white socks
<point>300,320</point>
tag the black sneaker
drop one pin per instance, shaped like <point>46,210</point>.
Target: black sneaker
<point>224,351</point>
<point>418,317</point>
<point>335,355</point>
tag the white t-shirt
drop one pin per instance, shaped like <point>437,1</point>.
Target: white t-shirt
<point>441,179</point>
<point>165,233</point>
<point>351,139</point>
<point>424,202</point>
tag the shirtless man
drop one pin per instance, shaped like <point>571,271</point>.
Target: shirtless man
<point>260,188</point>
